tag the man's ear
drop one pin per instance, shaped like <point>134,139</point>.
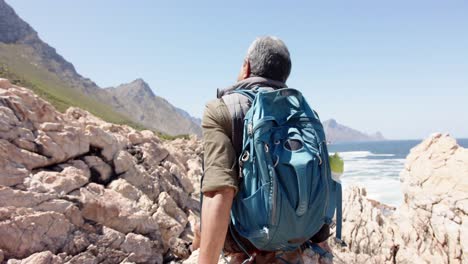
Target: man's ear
<point>246,70</point>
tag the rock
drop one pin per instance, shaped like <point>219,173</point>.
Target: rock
<point>149,135</point>
<point>153,153</point>
<point>78,243</point>
<point>136,138</point>
<point>83,258</point>
<point>48,126</point>
<point>18,198</point>
<point>167,204</point>
<point>69,209</point>
<point>123,162</point>
<point>139,177</point>
<point>141,249</point>
<point>428,227</point>
<point>69,179</point>
<point>28,107</point>
<point>11,174</point>
<point>100,171</point>
<point>81,117</point>
<point>193,259</point>
<point>132,193</point>
<point>16,159</point>
<point>45,257</point>
<point>434,180</point>
<point>180,247</point>
<point>4,83</point>
<point>172,185</point>
<point>25,231</point>
<point>63,145</point>
<point>102,140</point>
<point>111,209</point>
<point>110,238</point>
<point>171,219</point>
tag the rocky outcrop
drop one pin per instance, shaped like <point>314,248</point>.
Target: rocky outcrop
<point>75,189</point>
<point>435,208</point>
<point>431,225</point>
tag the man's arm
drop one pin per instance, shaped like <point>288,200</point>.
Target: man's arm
<point>215,221</point>
<point>220,180</point>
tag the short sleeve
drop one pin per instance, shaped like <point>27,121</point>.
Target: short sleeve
<point>220,166</point>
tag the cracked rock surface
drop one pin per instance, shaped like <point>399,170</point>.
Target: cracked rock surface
<point>75,189</point>
<point>430,226</point>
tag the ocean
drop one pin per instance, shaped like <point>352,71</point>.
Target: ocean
<point>377,166</point>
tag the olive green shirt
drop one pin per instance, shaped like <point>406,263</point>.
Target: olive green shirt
<point>220,160</point>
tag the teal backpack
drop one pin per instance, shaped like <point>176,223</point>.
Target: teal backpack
<point>286,191</point>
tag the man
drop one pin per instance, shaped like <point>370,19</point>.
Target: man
<point>267,64</point>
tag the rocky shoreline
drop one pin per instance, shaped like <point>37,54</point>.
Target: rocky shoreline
<point>75,189</point>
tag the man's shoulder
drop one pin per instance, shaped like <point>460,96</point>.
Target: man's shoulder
<point>216,112</point>
<point>215,107</point>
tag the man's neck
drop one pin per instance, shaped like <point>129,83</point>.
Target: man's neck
<point>253,81</point>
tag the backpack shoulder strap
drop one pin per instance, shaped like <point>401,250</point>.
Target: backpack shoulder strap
<point>238,104</point>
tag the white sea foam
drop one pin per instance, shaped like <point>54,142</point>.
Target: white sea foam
<point>378,173</point>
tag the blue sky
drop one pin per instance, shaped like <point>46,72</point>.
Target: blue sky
<point>399,67</point>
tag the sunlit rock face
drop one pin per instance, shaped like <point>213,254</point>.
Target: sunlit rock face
<point>75,189</point>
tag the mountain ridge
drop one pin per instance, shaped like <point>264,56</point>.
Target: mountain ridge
<point>138,98</point>
<point>28,60</point>
<point>337,132</point>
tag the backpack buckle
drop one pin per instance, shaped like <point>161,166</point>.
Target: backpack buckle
<point>245,157</point>
<point>276,161</point>
<point>250,129</point>
<point>340,242</point>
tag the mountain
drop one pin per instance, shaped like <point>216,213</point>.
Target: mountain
<point>336,132</point>
<point>17,36</point>
<point>138,100</point>
<point>27,60</point>
<point>184,113</point>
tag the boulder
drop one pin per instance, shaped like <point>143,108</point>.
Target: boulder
<point>141,249</point>
<point>45,257</point>
<point>435,185</point>
<point>100,171</point>
<point>123,162</point>
<point>69,179</point>
<point>172,222</point>
<point>113,210</point>
<point>25,231</point>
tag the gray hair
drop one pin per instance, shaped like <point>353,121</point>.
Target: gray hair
<point>269,57</point>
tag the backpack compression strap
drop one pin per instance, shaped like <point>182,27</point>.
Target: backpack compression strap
<point>339,216</point>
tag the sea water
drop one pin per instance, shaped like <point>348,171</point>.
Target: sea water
<point>377,166</point>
